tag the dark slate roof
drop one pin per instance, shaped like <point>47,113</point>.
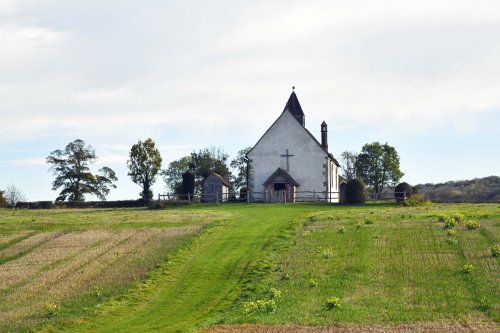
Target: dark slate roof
<point>293,106</point>
<point>216,175</point>
<point>280,172</point>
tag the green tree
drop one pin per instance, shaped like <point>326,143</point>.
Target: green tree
<point>144,165</point>
<point>348,163</point>
<point>239,164</point>
<point>200,164</point>
<point>378,166</point>
<point>173,174</point>
<point>71,168</point>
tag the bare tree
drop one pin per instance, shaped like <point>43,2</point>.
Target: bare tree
<point>348,162</point>
<point>13,195</point>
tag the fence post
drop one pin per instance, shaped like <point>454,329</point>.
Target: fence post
<point>159,198</point>
<point>217,198</point>
<point>189,197</point>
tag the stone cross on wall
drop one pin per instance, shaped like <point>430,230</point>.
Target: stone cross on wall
<point>287,155</point>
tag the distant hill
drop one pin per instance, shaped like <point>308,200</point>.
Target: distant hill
<point>477,189</point>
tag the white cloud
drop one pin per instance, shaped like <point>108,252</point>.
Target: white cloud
<point>25,162</point>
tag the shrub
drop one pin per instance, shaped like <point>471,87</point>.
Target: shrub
<point>333,303</point>
<point>313,283</point>
<point>51,309</point>
<point>452,240</point>
<point>327,253</point>
<point>451,232</point>
<point>313,219</point>
<point>35,205</point>
<point>402,191</point>
<point>472,224</point>
<point>369,221</point>
<point>468,268</point>
<point>459,217</point>
<point>267,305</point>
<point>275,293</point>
<point>355,191</point>
<point>416,200</point>
<point>341,229</point>
<point>450,222</point>
<point>495,250</point>
<point>102,204</point>
<point>3,202</point>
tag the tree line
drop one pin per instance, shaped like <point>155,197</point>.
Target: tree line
<point>377,165</point>
<point>74,179</point>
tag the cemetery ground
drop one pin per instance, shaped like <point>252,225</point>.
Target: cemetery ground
<point>251,268</point>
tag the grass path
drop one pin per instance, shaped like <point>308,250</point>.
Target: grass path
<point>200,280</point>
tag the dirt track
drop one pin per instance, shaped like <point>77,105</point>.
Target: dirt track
<point>459,327</point>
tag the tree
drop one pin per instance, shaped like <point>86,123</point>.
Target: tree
<point>348,162</point>
<point>71,168</point>
<point>208,160</point>
<point>13,195</point>
<point>200,164</point>
<point>239,164</point>
<point>378,166</point>
<point>173,174</point>
<point>144,165</point>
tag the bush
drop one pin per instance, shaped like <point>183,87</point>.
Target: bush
<point>333,303</point>
<point>472,224</point>
<point>450,222</point>
<point>35,205</point>
<point>355,191</point>
<point>3,202</point>
<point>459,217</point>
<point>260,305</point>
<point>402,191</point>
<point>495,250</point>
<point>243,192</point>
<point>416,200</point>
<point>103,204</point>
<point>468,268</point>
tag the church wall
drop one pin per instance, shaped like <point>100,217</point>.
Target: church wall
<point>309,166</point>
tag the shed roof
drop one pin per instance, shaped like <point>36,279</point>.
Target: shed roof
<point>219,177</point>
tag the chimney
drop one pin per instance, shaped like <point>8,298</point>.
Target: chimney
<point>324,136</point>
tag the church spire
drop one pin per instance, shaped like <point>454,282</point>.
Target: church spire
<point>293,106</point>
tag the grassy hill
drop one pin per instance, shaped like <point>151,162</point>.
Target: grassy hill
<point>308,264</point>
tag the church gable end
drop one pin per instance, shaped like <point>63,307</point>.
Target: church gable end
<point>288,159</point>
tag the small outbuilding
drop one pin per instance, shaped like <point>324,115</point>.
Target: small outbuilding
<point>215,188</point>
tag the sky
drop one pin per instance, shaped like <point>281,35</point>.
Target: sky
<point>423,76</point>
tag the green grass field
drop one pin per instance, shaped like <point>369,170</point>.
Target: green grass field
<point>189,268</point>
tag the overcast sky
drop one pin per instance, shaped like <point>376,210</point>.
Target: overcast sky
<point>423,76</point>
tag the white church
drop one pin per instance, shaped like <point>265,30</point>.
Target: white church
<point>288,164</point>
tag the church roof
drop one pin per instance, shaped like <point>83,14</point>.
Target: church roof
<point>293,106</point>
<point>283,174</point>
